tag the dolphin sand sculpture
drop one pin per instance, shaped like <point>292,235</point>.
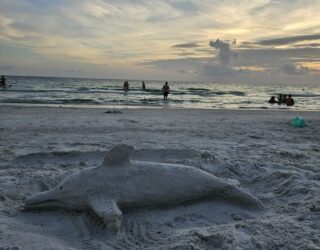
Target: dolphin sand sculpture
<point>120,183</point>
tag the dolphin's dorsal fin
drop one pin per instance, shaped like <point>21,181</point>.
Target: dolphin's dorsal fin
<point>118,155</point>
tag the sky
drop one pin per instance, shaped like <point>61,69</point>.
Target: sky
<point>264,41</point>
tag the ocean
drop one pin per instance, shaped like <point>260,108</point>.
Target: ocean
<point>80,92</point>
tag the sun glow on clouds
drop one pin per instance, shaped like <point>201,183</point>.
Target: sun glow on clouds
<point>146,35</point>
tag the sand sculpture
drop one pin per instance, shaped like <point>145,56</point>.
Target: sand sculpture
<point>120,183</point>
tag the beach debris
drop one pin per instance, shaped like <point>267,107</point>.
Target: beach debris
<point>120,183</point>
<point>113,112</point>
<point>298,122</point>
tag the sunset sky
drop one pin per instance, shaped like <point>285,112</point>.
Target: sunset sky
<point>267,41</point>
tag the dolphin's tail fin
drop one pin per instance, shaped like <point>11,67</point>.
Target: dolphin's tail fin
<point>239,196</point>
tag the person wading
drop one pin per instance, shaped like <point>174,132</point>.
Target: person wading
<point>165,91</point>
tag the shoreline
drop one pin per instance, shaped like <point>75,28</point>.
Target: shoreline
<point>132,107</point>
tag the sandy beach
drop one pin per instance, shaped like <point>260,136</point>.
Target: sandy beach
<point>257,150</point>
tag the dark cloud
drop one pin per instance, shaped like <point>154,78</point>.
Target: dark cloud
<point>307,45</point>
<point>288,40</point>
<point>218,70</point>
<point>207,51</point>
<point>275,58</point>
<point>249,45</point>
<point>294,69</point>
<point>186,45</point>
<point>225,53</point>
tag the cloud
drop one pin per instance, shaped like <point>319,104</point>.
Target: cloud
<point>275,58</point>
<point>288,40</point>
<point>308,45</point>
<point>225,53</point>
<point>294,69</point>
<point>185,54</point>
<point>220,67</point>
<point>186,45</point>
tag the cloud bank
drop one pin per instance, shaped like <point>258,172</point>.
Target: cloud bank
<point>292,69</point>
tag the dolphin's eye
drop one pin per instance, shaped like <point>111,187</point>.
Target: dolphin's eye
<point>61,187</point>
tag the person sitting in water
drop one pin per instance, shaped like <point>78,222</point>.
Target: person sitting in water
<point>272,100</point>
<point>284,99</point>
<point>289,101</point>
<point>279,99</point>
<point>3,82</point>
<point>165,91</point>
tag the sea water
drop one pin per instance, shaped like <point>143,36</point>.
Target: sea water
<point>82,92</point>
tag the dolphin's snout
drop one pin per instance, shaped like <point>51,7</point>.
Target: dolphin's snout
<point>40,200</point>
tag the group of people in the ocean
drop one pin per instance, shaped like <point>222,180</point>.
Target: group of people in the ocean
<point>165,88</point>
<point>282,99</point>
<point>3,82</point>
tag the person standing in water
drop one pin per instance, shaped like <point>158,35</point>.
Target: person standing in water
<point>126,86</point>
<point>3,82</point>
<point>165,91</point>
<point>143,86</point>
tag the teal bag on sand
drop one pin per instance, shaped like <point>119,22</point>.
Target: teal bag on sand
<point>298,122</point>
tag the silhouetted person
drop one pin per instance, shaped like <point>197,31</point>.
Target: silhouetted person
<point>143,86</point>
<point>165,91</point>
<point>289,101</point>
<point>280,99</point>
<point>126,86</point>
<point>284,99</point>
<point>3,82</point>
<point>272,100</point>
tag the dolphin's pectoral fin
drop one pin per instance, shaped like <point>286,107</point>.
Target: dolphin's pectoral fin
<point>107,210</point>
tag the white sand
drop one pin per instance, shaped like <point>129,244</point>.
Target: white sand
<point>257,150</point>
